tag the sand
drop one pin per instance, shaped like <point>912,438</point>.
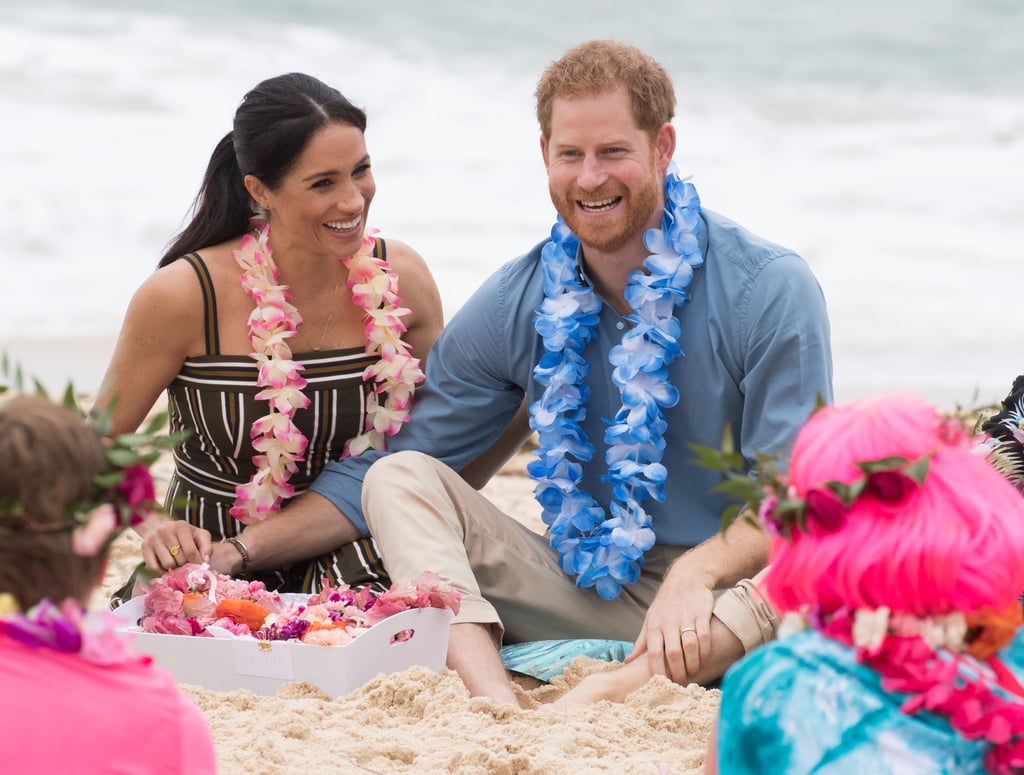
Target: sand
<point>420,721</point>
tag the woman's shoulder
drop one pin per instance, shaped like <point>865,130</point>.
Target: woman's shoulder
<point>403,258</point>
<point>187,273</point>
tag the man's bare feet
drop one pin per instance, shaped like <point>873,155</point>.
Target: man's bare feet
<point>472,654</point>
<point>612,685</point>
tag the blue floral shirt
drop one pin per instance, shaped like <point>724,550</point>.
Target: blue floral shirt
<point>804,705</point>
<point>756,358</point>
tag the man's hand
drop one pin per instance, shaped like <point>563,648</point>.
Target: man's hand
<point>676,635</point>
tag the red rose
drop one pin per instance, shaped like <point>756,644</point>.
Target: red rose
<point>890,486</point>
<point>825,509</point>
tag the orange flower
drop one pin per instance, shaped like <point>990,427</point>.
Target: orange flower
<point>327,633</point>
<point>246,612</point>
<point>328,625</point>
<point>988,631</point>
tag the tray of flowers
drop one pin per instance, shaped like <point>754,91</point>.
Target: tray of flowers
<point>225,634</point>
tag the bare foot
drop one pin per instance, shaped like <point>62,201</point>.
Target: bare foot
<point>472,654</point>
<point>611,685</point>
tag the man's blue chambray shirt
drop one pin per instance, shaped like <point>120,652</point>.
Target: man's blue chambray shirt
<point>756,358</point>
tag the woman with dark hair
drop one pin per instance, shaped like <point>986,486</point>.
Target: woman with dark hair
<point>275,326</point>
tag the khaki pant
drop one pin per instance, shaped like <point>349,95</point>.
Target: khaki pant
<point>425,517</point>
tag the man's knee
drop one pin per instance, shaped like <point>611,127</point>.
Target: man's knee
<point>394,467</point>
<point>387,478</point>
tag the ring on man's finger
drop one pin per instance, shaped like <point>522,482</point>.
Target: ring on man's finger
<point>688,629</point>
<point>174,550</point>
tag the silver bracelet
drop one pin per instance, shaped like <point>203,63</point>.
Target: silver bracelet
<point>237,543</point>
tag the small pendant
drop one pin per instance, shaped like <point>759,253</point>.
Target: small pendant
<point>316,349</point>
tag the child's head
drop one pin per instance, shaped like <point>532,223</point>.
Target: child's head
<point>48,460</point>
<point>952,543</point>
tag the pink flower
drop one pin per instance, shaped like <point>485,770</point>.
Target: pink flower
<point>255,500</point>
<point>102,644</point>
<point>766,517</point>
<point>88,539</point>
<point>137,485</point>
<point>386,420</point>
<point>137,491</point>
<point>169,625</point>
<point>164,600</point>
<point>356,446</point>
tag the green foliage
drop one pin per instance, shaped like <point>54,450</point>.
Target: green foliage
<point>121,451</point>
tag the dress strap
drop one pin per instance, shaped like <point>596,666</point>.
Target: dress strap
<point>380,248</point>
<point>209,302</point>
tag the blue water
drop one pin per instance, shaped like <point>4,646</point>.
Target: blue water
<point>882,140</point>
<point>970,46</point>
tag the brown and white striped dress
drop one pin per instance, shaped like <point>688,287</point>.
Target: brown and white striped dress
<point>214,397</point>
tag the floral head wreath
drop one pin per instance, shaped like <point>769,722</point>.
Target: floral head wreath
<point>890,480</point>
<point>781,509</point>
<point>123,490</point>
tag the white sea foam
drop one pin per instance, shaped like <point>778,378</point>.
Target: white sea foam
<point>905,197</point>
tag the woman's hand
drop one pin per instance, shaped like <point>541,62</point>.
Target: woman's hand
<point>174,543</point>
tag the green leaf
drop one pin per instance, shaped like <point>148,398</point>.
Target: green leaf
<point>892,463</point>
<point>122,457</point>
<point>155,423</point>
<point>853,491</point>
<point>107,480</point>
<point>801,521</point>
<point>918,470</point>
<point>714,459</point>
<point>132,440</point>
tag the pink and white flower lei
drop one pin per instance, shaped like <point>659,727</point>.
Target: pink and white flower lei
<point>274,320</point>
<point>375,290</point>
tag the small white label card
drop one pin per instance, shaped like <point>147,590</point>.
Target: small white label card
<point>263,658</point>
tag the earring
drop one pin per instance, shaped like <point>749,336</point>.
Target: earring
<point>259,211</point>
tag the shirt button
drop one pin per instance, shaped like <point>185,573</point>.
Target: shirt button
<point>620,325</point>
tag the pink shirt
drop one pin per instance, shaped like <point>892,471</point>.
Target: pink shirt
<point>60,713</point>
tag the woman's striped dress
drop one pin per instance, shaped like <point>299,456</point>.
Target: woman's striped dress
<point>213,397</point>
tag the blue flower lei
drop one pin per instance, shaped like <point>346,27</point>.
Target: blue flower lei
<point>607,552</point>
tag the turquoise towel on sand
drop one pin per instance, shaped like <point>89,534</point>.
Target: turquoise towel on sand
<point>545,659</point>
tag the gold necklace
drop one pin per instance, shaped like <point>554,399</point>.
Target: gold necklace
<point>330,317</point>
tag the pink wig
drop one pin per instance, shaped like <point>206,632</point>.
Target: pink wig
<point>955,544</point>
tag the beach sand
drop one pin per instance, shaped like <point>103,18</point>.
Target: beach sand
<point>419,721</point>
